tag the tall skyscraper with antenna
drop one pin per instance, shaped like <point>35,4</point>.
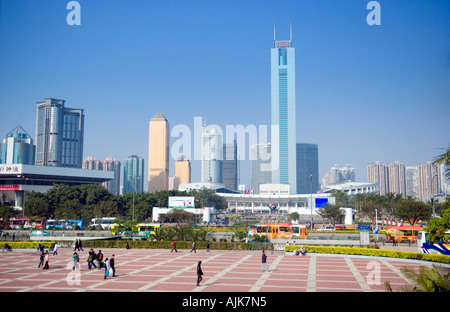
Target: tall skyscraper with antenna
<point>283,132</point>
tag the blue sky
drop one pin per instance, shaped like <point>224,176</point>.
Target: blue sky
<point>364,93</point>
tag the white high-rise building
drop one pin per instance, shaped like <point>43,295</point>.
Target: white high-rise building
<point>283,131</point>
<point>212,155</point>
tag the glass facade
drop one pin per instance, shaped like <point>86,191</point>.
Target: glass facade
<point>133,175</point>
<point>59,135</point>
<point>307,168</point>
<point>17,148</point>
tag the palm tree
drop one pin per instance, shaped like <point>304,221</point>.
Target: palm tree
<point>444,159</point>
<point>428,279</point>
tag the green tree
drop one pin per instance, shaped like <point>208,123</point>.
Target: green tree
<point>331,212</point>
<point>37,205</point>
<point>437,227</point>
<point>105,208</point>
<point>294,216</point>
<point>412,210</point>
<point>6,213</point>
<point>341,197</point>
<point>180,215</point>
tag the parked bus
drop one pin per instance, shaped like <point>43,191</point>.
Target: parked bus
<point>278,230</point>
<point>425,246</point>
<point>398,233</point>
<point>25,223</point>
<point>64,224</point>
<point>103,223</point>
<point>143,230</point>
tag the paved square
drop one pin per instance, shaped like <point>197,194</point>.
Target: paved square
<point>149,270</point>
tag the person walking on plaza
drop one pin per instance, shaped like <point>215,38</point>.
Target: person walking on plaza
<point>194,248</point>
<point>41,259</point>
<point>46,260</point>
<point>264,262</point>
<point>174,246</point>
<point>112,265</point>
<point>55,249</point>
<point>75,248</point>
<point>106,264</point>
<point>76,260</point>
<point>199,273</point>
<point>208,247</point>
<point>80,245</point>
<point>99,260</point>
<point>90,259</point>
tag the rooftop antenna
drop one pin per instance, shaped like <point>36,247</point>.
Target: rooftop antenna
<point>291,31</point>
<point>273,30</point>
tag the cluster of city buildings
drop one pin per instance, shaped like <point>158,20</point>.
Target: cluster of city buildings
<point>284,175</point>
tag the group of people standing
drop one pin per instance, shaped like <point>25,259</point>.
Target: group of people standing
<point>107,264</point>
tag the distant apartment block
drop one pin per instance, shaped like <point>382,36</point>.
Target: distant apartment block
<point>390,177</point>
<point>109,164</point>
<point>430,180</point>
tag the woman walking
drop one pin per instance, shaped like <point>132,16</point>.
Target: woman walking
<point>46,259</point>
<point>75,259</point>
<point>106,263</point>
<point>199,273</point>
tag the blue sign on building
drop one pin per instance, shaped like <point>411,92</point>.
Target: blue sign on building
<point>321,202</point>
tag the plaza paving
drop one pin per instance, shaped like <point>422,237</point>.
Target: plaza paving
<point>147,270</point>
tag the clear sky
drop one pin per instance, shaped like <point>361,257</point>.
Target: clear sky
<point>363,93</point>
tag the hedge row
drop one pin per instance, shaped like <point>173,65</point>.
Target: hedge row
<point>168,244</point>
<point>373,253</point>
<point>29,245</point>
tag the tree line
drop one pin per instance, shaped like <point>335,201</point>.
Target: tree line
<point>90,201</point>
<point>389,207</point>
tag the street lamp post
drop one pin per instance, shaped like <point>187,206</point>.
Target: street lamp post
<point>311,202</point>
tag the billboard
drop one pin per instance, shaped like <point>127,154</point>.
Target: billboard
<point>321,202</point>
<point>181,202</point>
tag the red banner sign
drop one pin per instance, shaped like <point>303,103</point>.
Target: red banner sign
<point>9,187</point>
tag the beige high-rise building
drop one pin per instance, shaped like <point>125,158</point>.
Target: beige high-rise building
<point>158,154</point>
<point>182,172</point>
<point>390,177</point>
<point>430,180</point>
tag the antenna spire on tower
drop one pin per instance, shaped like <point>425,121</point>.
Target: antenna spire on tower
<point>290,31</point>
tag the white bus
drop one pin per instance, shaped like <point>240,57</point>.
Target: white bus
<point>425,247</point>
<point>104,223</point>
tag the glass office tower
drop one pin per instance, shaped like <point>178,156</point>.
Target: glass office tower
<point>307,168</point>
<point>59,134</point>
<point>212,154</point>
<point>133,175</point>
<point>17,148</point>
<point>283,132</point>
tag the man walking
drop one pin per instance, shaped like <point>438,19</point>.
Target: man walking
<point>174,246</point>
<point>194,248</point>
<point>112,265</point>
<point>264,262</point>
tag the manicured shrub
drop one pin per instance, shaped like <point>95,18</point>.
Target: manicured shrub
<point>373,253</point>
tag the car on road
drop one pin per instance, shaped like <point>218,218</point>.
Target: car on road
<point>39,233</point>
<point>327,228</point>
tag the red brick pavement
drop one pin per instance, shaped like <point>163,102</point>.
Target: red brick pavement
<point>225,271</point>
